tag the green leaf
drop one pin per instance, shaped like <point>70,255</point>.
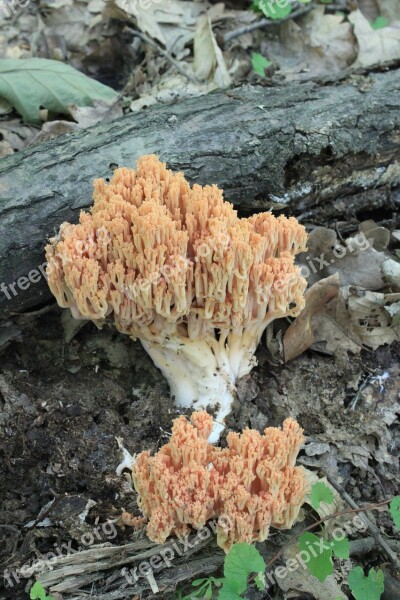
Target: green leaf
<point>320,492</point>
<point>260,63</point>
<point>208,594</point>
<point>229,592</point>
<point>197,582</point>
<point>242,560</point>
<point>366,588</point>
<point>272,10</point>
<point>380,23</point>
<point>260,581</point>
<point>341,548</point>
<point>31,83</point>
<point>37,592</point>
<point>320,562</point>
<point>395,511</point>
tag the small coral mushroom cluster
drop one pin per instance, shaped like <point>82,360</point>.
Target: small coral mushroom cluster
<point>175,267</point>
<point>252,483</point>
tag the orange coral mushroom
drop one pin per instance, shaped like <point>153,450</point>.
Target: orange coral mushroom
<point>175,267</point>
<point>253,483</point>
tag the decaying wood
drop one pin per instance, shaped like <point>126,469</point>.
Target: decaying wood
<point>297,144</point>
<point>103,567</point>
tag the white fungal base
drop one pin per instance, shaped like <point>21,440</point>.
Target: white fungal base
<point>127,459</point>
<point>202,372</point>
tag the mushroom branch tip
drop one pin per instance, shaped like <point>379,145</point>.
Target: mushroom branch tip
<point>174,266</point>
<point>249,486</point>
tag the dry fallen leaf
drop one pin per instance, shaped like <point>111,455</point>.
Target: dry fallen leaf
<point>101,111</point>
<point>209,62</point>
<point>356,259</point>
<point>378,236</point>
<point>17,134</point>
<point>53,129</point>
<point>375,46</point>
<point>302,332</point>
<point>320,44</point>
<point>391,274</point>
<point>299,581</point>
<point>335,335</point>
<point>370,316</point>
<point>5,149</point>
<point>173,24</point>
<point>337,320</point>
<point>170,88</point>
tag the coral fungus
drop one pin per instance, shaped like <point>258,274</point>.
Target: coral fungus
<point>253,483</point>
<point>175,267</point>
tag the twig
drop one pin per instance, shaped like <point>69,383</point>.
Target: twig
<point>41,516</point>
<point>151,42</point>
<point>374,531</point>
<point>262,23</point>
<point>53,505</point>
<point>364,545</point>
<point>314,525</point>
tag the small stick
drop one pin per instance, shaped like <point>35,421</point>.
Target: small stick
<point>151,42</point>
<point>365,545</point>
<point>262,23</point>
<point>54,504</point>
<point>374,531</point>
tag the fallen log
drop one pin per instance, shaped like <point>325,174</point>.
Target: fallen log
<point>298,145</point>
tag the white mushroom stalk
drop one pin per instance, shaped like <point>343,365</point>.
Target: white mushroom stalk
<point>175,267</point>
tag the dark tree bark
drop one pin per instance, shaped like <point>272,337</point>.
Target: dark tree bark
<point>299,144</point>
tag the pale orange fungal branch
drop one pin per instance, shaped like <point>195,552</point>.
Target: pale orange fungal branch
<point>249,486</point>
<point>175,267</point>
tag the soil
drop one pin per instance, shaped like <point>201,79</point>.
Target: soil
<point>68,390</point>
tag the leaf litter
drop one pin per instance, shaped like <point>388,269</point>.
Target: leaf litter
<point>95,37</point>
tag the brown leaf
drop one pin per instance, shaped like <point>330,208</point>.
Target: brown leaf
<point>209,62</point>
<point>319,44</point>
<point>17,134</point>
<point>375,46</point>
<point>53,129</point>
<point>172,23</point>
<point>5,149</point>
<point>301,333</point>
<point>355,259</point>
<point>101,111</point>
<point>371,316</point>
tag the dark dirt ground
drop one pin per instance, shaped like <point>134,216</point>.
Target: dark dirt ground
<point>62,405</point>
